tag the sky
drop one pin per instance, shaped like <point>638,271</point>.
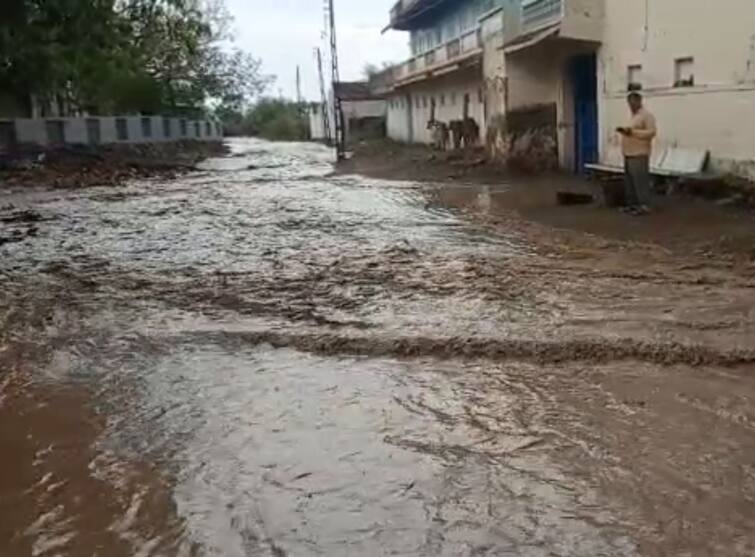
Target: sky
<point>284,33</point>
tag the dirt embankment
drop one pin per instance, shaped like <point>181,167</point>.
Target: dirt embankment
<point>690,221</point>
<point>106,166</point>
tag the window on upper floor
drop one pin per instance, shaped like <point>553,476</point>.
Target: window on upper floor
<point>634,77</point>
<point>684,72</point>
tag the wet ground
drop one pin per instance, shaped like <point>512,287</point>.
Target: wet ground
<point>266,358</point>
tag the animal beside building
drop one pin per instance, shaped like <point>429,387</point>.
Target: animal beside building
<point>470,132</point>
<point>440,134</point>
<point>457,132</point>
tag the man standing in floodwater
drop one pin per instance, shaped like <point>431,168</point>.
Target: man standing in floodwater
<point>637,146</point>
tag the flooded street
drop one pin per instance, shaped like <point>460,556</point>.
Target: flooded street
<point>269,358</point>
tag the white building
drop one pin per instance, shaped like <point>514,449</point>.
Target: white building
<point>363,109</point>
<point>443,78</point>
<point>556,73</point>
<point>695,62</point>
<point>317,115</point>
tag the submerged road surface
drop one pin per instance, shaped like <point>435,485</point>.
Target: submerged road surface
<point>265,358</point>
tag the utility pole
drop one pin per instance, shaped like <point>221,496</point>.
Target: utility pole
<point>324,98</point>
<point>337,112</point>
<point>298,87</point>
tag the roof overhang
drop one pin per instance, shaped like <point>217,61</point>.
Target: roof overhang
<point>405,20</point>
<point>459,63</point>
<point>531,39</point>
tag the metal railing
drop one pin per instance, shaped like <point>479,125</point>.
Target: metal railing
<point>539,12</point>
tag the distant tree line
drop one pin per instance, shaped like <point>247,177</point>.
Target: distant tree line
<point>275,119</point>
<point>125,56</point>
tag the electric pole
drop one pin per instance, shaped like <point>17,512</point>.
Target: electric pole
<point>337,112</point>
<point>298,87</point>
<point>324,98</point>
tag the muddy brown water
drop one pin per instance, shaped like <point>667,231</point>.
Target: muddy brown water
<point>265,358</point>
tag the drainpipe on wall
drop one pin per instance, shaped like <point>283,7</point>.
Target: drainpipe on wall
<point>646,30</point>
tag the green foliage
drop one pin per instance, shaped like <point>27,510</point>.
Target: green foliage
<point>274,119</point>
<point>124,55</point>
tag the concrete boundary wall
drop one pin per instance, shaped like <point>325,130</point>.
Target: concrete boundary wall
<point>94,130</point>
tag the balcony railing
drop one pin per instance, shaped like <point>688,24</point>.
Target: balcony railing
<point>539,12</point>
<point>468,42</point>
<point>453,48</point>
<point>471,40</point>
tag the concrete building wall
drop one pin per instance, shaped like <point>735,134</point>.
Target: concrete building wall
<point>76,131</point>
<point>34,131</point>
<point>494,65</point>
<point>409,123</point>
<point>534,76</point>
<point>107,130</point>
<point>718,111</point>
<point>363,109</point>
<point>30,131</point>
<point>364,118</point>
<point>539,76</point>
<point>584,19</point>
<point>316,123</point>
<point>399,117</point>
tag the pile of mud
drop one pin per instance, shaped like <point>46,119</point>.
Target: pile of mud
<point>110,165</point>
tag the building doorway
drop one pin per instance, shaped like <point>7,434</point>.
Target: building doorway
<point>583,74</point>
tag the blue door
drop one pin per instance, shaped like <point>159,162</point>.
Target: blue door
<point>583,71</point>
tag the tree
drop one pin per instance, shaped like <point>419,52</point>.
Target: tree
<point>52,47</point>
<point>275,119</point>
<point>370,69</point>
<point>124,55</point>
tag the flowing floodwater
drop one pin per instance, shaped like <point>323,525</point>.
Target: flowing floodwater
<point>280,360</point>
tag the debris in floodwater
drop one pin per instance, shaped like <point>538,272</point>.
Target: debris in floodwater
<point>264,166</point>
<point>408,487</point>
<point>572,198</point>
<point>27,215</point>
